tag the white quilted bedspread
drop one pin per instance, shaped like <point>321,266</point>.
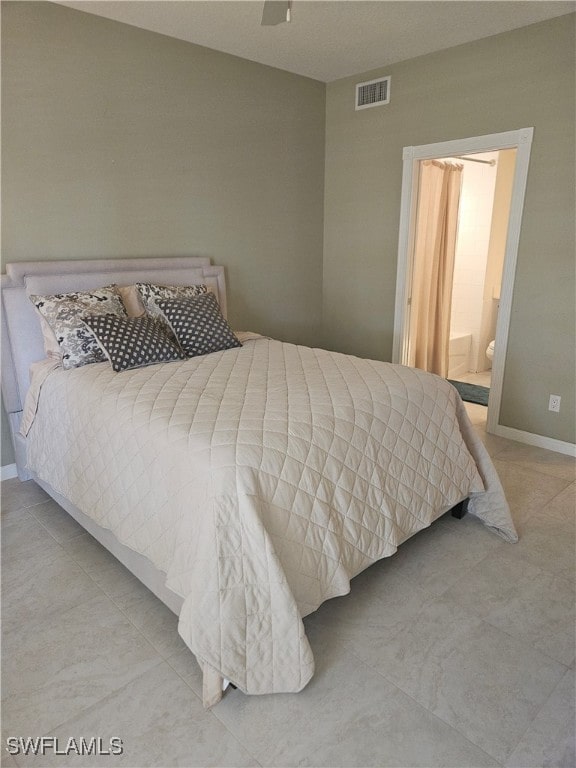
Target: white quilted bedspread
<point>261,480</point>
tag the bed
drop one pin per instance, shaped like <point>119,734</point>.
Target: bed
<point>243,487</point>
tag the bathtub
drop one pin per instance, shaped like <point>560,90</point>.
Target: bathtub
<point>459,354</point>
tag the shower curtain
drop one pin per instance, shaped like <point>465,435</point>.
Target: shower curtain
<point>434,252</point>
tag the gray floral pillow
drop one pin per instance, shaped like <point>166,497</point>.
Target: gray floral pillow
<point>152,293</point>
<point>64,312</point>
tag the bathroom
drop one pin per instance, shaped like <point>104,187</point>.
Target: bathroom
<point>480,246</point>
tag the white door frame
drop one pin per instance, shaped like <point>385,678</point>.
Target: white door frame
<point>521,140</point>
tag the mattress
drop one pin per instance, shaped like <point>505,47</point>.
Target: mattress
<point>260,480</point>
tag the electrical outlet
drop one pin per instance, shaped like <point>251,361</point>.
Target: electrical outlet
<point>554,403</point>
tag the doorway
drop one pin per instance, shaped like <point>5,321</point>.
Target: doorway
<point>495,293</point>
<point>484,212</point>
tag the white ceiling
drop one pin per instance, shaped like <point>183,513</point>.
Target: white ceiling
<point>328,39</point>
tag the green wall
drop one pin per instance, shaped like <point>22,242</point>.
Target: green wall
<point>122,142</point>
<point>514,80</point>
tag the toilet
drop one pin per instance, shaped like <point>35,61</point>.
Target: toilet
<point>490,350</point>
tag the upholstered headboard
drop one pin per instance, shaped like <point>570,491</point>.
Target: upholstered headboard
<point>22,342</point>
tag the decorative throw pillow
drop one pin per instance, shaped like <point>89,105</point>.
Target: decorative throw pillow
<point>132,342</point>
<point>151,294</point>
<point>51,347</point>
<point>132,300</point>
<point>198,324</point>
<point>64,312</point>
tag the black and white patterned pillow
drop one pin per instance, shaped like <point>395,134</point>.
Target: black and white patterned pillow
<point>151,294</point>
<point>198,324</point>
<point>64,314</point>
<point>133,342</point>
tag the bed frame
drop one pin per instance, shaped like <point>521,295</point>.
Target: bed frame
<point>22,345</point>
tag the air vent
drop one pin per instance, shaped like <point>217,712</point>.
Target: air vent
<point>374,93</point>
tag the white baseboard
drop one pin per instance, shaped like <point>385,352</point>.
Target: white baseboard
<point>549,443</point>
<point>8,471</point>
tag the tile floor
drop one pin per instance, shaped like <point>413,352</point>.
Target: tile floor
<point>458,651</point>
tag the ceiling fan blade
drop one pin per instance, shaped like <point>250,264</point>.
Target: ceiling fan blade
<point>275,12</point>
